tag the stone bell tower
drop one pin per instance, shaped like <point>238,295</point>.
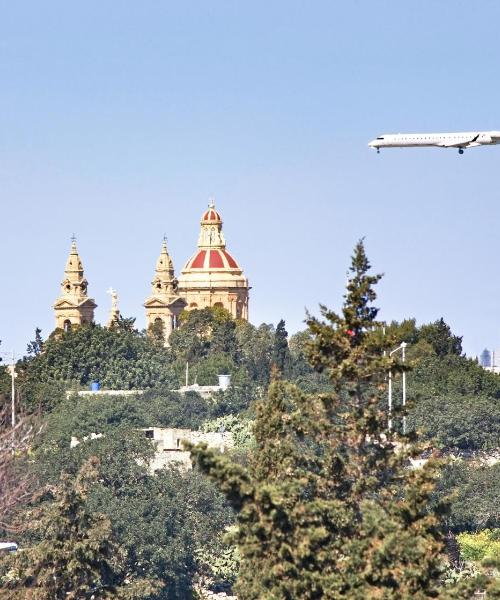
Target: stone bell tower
<point>164,305</point>
<point>74,307</point>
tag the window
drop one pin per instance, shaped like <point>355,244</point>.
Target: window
<point>149,433</point>
<point>67,325</point>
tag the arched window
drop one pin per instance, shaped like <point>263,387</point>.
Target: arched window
<point>67,325</point>
<point>193,305</point>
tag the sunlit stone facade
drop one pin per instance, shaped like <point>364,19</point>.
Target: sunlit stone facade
<point>74,307</point>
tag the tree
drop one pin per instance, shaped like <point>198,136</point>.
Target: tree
<point>328,507</point>
<point>255,350</point>
<point>281,352</point>
<point>35,347</point>
<point>439,335</point>
<point>474,490</point>
<point>118,358</point>
<point>75,556</point>
<point>17,485</point>
<point>122,323</point>
<point>160,521</point>
<point>455,402</point>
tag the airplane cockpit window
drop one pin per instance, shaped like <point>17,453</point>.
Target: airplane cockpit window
<point>380,138</point>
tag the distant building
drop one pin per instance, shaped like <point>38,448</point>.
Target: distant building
<point>74,307</point>
<point>491,357</point>
<point>211,277</point>
<point>485,358</point>
<point>169,448</point>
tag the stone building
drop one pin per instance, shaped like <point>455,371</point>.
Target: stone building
<point>164,305</point>
<point>73,307</point>
<point>212,277</point>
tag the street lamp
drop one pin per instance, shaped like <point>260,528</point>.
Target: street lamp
<point>401,347</point>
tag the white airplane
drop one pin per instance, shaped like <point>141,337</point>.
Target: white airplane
<point>468,139</point>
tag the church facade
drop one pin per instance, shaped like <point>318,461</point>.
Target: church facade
<point>211,277</point>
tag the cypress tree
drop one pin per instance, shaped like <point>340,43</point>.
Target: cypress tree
<point>329,506</point>
<point>281,352</point>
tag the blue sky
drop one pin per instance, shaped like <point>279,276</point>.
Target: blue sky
<point>119,120</point>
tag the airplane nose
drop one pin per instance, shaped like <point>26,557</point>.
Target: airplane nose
<point>371,144</point>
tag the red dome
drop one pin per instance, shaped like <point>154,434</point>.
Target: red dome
<point>212,259</point>
<point>211,216</point>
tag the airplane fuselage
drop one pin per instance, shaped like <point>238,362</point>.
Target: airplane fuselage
<point>460,140</point>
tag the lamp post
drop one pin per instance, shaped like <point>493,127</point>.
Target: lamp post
<point>401,347</point>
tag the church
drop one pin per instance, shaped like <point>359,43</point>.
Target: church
<point>211,277</point>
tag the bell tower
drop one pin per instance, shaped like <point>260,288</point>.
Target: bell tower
<point>74,307</point>
<point>164,305</point>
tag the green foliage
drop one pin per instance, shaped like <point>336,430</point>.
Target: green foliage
<point>434,338</point>
<point>440,337</point>
<point>328,507</point>
<point>117,358</point>
<point>74,555</point>
<point>160,521</point>
<point>205,331</point>
<point>455,402</point>
<point>126,324</point>
<point>219,564</point>
<point>35,347</point>
<point>474,491</point>
<point>240,427</point>
<point>255,350</point>
<point>281,354</point>
<point>481,546</point>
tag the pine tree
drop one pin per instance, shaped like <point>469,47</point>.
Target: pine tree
<point>329,507</point>
<point>75,557</point>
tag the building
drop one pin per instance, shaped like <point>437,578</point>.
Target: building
<point>485,358</point>
<point>210,278</point>
<point>169,444</point>
<point>165,304</point>
<point>74,307</point>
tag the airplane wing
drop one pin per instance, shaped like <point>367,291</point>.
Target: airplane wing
<point>463,143</point>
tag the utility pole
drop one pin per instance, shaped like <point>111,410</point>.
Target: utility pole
<point>401,347</point>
